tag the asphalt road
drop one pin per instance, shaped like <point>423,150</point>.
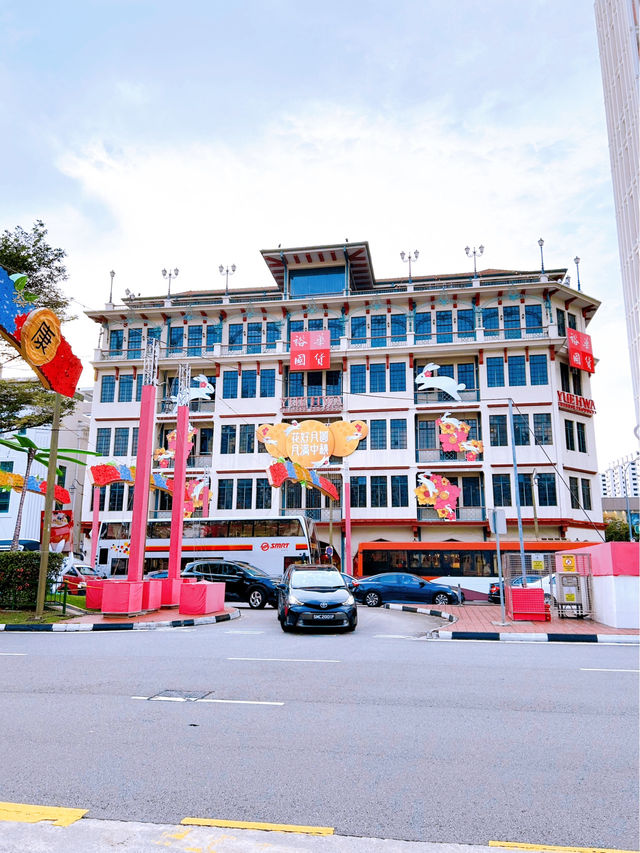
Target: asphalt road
<point>379,733</point>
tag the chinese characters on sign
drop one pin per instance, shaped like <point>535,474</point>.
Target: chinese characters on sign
<point>311,443</point>
<point>580,352</point>
<point>310,350</point>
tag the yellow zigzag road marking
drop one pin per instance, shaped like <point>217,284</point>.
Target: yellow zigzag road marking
<point>273,827</point>
<point>517,846</point>
<point>24,813</point>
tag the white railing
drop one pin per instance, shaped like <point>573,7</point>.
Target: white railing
<point>300,405</point>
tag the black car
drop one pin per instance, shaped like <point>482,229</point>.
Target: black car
<point>315,597</point>
<point>402,586</point>
<point>243,582</point>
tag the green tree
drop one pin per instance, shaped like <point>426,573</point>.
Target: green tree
<point>617,531</point>
<point>24,403</point>
<point>28,252</point>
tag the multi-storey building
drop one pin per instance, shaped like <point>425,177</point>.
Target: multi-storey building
<point>501,333</point>
<point>621,478</point>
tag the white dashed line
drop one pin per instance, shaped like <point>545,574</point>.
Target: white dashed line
<point>291,660</point>
<point>585,669</point>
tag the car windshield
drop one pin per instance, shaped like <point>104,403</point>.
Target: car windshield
<point>253,570</point>
<point>322,580</point>
<point>86,570</point>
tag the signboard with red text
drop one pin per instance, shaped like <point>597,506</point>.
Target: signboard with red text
<point>310,350</point>
<point>574,403</point>
<point>580,351</point>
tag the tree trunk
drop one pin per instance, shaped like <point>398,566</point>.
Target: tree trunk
<point>15,544</point>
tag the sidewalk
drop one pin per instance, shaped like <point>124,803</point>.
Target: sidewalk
<point>486,618</point>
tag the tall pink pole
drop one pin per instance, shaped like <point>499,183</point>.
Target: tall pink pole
<point>348,569</point>
<point>179,480</point>
<point>95,524</point>
<point>141,489</point>
<point>205,501</point>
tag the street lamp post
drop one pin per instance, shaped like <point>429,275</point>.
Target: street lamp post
<point>169,275</point>
<point>543,275</point>
<point>533,500</point>
<point>112,274</point>
<point>407,259</point>
<point>226,272</point>
<point>479,251</point>
<point>576,261</point>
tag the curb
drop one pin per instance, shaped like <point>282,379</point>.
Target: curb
<point>407,608</point>
<point>123,626</point>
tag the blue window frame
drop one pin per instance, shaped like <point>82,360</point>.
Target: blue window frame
<point>358,380</point>
<point>336,330</point>
<point>495,372</point>
<point>116,497</point>
<point>498,436</point>
<point>542,428</point>
<point>378,434</point>
<point>399,490</point>
<point>214,336</point>
<point>315,325</point>
<point>254,337</point>
<point>314,383</point>
<point>467,374</point>
<point>5,496</point>
<point>444,327</point>
<point>525,489</point>
<point>398,328</point>
<point>538,373</point>
<point>377,378</point>
<point>501,490</point>
<point>398,433</point>
<point>228,439</point>
<point>229,384</point>
<point>397,376</point>
<point>263,493</point>
<point>471,492</point>
<point>247,438</point>
<point>491,322</point>
<point>294,326</point>
<point>273,335</point>
<point>135,343</point>
<point>517,372</point>
<point>581,436</point>
<point>139,379</point>
<point>103,441</point>
<point>194,340</point>
<point>427,435</point>
<point>248,383</point>
<point>358,491</point>
<point>445,370</point>
<point>358,330</point>
<point>378,491</point>
<point>135,431</point>
<point>125,388</point>
<point>561,319</point>
<point>466,323</point>
<point>154,334</point>
<point>176,339</point>
<point>533,319</point>
<point>511,315</point>
<point>235,337</point>
<point>108,389</point>
<point>121,441</point>
<point>521,430</point>
<point>225,494</point>
<point>422,326</point>
<point>379,331</point>
<point>547,495</point>
<point>268,383</point>
<point>586,494</point>
<point>116,340</point>
<point>296,384</point>
<point>334,383</point>
<point>322,281</point>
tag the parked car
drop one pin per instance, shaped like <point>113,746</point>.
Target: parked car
<point>402,586</point>
<point>350,581</point>
<point>76,577</point>
<point>533,582</point>
<point>243,582</point>
<point>315,597</point>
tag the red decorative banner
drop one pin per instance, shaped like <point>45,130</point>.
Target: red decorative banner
<point>310,350</point>
<point>580,351</point>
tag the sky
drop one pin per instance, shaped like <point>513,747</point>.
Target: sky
<point>149,134</point>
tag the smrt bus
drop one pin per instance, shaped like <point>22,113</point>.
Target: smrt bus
<point>268,543</point>
<point>471,565</point>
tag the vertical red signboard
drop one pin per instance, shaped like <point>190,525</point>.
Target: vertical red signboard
<point>310,350</point>
<point>580,352</point>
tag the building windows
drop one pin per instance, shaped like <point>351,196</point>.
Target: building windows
<point>358,491</point>
<point>525,489</point>
<point>511,314</point>
<point>542,428</point>
<point>547,490</point>
<point>378,491</point>
<point>336,330</point>
<point>444,327</point>
<point>334,383</point>
<point>495,372</point>
<point>399,490</point>
<point>244,494</point>
<point>538,373</point>
<point>491,322</point>
<point>107,389</point>
<point>139,379</point>
<point>562,323</point>
<point>422,327</point>
<point>134,440</point>
<point>214,336</point>
<point>296,384</point>
<point>467,375</point>
<point>521,430</point>
<point>501,490</point>
<point>268,383</point>
<point>466,324</point>
<point>176,338</point>
<point>582,437</point>
<point>235,337</point>
<point>533,319</point>
<point>228,439</point>
<point>206,441</point>
<point>574,490</point>
<point>194,340</point>
<point>397,376</point>
<point>135,343</point>
<point>569,435</point>
<point>125,388</point>
<point>273,335</point>
<point>398,328</point>
<point>247,437</point>
<point>116,497</point>
<point>586,492</point>
<point>229,384</point>
<point>5,496</point>
<point>121,441</point>
<point>358,379</point>
<point>377,378</point>
<point>263,493</point>
<point>564,377</point>
<point>248,383</point>
<point>293,495</point>
<point>225,494</point>
<point>103,441</point>
<point>498,431</point>
<point>116,340</point>
<point>398,433</point>
<point>358,330</point>
<point>471,491</point>
<point>379,331</point>
<point>576,380</point>
<point>426,435</point>
<point>254,337</point>
<point>517,372</point>
<point>571,321</point>
<point>378,433</point>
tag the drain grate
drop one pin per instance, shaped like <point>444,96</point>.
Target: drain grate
<point>193,695</point>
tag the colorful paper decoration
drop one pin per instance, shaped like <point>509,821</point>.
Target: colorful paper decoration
<point>312,443</point>
<point>426,381</point>
<point>283,470</point>
<point>163,455</point>
<point>454,437</point>
<point>202,391</point>
<point>35,485</point>
<point>436,491</point>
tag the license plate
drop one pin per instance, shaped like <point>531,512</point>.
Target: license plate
<point>323,615</point>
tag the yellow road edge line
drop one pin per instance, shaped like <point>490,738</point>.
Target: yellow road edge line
<point>26,813</point>
<point>518,846</point>
<point>269,827</point>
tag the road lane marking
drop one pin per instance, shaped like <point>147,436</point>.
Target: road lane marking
<point>218,701</point>
<point>273,827</point>
<point>25,813</point>
<point>517,846</point>
<point>292,660</point>
<point>244,632</point>
<point>589,669</point>
<point>13,654</point>
<point>392,637</point>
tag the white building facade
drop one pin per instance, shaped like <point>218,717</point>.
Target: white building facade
<point>621,478</point>
<point>501,334</point>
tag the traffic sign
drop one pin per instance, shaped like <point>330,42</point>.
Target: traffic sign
<point>328,551</point>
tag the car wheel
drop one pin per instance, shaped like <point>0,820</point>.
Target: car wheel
<point>441,598</point>
<point>257,599</point>
<point>372,599</point>
<point>286,628</point>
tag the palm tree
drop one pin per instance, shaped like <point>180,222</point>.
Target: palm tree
<point>22,444</point>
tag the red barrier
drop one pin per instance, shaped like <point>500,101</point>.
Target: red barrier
<point>198,599</point>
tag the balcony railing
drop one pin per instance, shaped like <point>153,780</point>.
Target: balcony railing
<point>463,513</point>
<point>423,398</point>
<point>316,514</point>
<point>168,407</point>
<point>311,405</point>
<point>192,462</point>
<point>435,454</point>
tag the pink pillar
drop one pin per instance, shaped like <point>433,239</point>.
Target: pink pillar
<point>95,524</point>
<point>205,502</point>
<point>348,568</point>
<point>141,490</point>
<point>179,480</point>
